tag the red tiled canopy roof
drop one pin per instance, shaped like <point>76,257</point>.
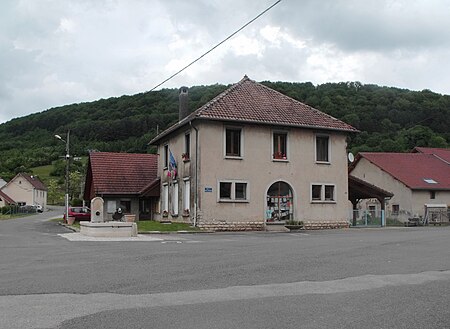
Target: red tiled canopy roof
<point>441,153</point>
<point>412,169</point>
<point>6,198</point>
<point>252,102</point>
<point>121,173</point>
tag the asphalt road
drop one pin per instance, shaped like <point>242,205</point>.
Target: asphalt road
<point>354,278</point>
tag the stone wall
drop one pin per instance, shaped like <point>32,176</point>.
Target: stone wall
<point>231,226</point>
<point>221,226</point>
<point>321,225</point>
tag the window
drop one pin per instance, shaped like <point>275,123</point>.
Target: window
<point>165,198</point>
<point>432,194</point>
<point>316,192</point>
<point>329,192</point>
<point>225,190</point>
<point>187,147</point>
<point>166,156</point>
<point>395,209</point>
<point>111,206</point>
<point>279,146</point>
<point>240,191</point>
<point>175,199</point>
<point>373,211</point>
<point>323,193</point>
<point>125,205</point>
<point>233,191</point>
<point>187,195</point>
<point>233,142</point>
<point>322,148</point>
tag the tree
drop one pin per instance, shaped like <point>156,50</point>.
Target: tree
<point>54,194</point>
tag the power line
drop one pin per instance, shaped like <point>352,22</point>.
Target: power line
<point>224,40</point>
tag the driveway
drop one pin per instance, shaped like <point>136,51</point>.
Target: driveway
<point>354,278</point>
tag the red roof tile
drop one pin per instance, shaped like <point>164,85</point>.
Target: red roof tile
<point>35,181</point>
<point>441,153</point>
<point>412,169</point>
<point>252,102</point>
<point>122,173</point>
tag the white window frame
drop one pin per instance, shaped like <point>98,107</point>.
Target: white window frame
<point>287,145</point>
<point>329,148</point>
<point>175,199</point>
<point>322,193</point>
<point>233,191</point>
<point>237,157</point>
<point>165,198</point>
<point>187,194</point>
<point>165,152</point>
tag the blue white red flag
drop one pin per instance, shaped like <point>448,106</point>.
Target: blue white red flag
<point>172,165</point>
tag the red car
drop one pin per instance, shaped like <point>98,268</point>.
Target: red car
<point>80,213</point>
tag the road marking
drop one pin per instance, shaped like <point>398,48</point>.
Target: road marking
<point>50,310</point>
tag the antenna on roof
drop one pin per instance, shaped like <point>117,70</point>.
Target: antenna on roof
<point>351,157</point>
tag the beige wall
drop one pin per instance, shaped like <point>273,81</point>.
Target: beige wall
<point>259,171</point>
<point>420,198</point>
<point>411,203</point>
<point>115,204</point>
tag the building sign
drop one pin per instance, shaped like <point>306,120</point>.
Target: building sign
<point>208,189</point>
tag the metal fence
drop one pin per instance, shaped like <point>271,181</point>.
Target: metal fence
<point>437,216</point>
<point>379,218</point>
<point>367,218</point>
<point>14,211</point>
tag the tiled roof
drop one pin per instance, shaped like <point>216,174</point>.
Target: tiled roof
<point>250,102</point>
<point>441,153</point>
<point>6,198</point>
<point>122,173</point>
<point>413,169</point>
<point>35,181</point>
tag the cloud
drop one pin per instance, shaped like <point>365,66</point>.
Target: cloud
<point>59,52</point>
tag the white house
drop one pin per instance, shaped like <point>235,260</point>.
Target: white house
<point>26,189</point>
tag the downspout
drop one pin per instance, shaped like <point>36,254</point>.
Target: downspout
<point>196,174</point>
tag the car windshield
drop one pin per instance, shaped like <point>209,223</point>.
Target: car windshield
<point>81,210</point>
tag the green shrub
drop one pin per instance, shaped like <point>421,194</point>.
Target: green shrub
<point>76,202</point>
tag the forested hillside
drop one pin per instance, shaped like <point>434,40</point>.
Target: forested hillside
<point>390,119</point>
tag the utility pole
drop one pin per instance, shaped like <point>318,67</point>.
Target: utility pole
<point>67,158</point>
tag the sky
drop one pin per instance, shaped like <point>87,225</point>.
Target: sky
<point>59,52</point>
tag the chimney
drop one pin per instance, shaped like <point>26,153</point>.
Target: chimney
<point>183,100</point>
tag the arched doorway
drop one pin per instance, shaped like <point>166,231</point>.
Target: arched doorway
<point>279,203</point>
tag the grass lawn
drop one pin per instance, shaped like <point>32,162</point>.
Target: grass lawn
<point>43,172</point>
<point>9,216</point>
<point>150,225</point>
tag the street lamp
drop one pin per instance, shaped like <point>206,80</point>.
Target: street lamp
<point>67,157</point>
